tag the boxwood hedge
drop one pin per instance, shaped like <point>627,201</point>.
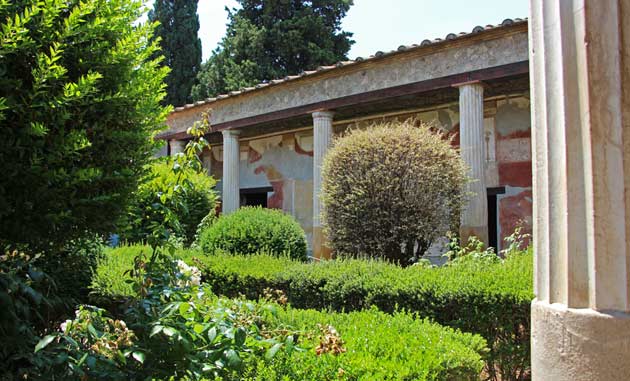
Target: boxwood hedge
<point>372,345</point>
<point>489,298</point>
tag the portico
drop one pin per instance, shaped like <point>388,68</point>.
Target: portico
<point>472,86</point>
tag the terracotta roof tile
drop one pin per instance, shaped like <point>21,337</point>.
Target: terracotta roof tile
<point>379,54</point>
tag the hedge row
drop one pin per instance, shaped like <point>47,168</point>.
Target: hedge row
<point>491,299</point>
<point>373,346</point>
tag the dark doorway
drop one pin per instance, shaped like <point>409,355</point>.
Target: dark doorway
<point>255,196</point>
<point>493,218</point>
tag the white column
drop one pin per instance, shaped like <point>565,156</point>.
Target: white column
<point>322,137</point>
<point>230,182</point>
<point>177,146</point>
<point>474,218</point>
<point>580,65</point>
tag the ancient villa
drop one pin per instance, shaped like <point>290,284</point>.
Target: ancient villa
<point>268,141</point>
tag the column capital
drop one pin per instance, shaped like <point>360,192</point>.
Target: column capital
<point>323,114</point>
<point>227,133</point>
<point>469,83</point>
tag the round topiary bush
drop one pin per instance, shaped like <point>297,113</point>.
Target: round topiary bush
<point>391,190</point>
<point>251,230</point>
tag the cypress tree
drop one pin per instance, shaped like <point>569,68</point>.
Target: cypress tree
<point>181,47</point>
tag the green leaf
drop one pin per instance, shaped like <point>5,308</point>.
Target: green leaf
<point>44,342</point>
<point>271,352</point>
<point>234,360</point>
<point>239,337</point>
<point>92,331</point>
<point>168,331</point>
<point>212,334</point>
<point>155,330</point>
<point>138,356</point>
<point>82,359</point>
<point>183,308</point>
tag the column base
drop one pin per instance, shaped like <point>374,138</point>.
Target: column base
<point>320,250</point>
<point>579,344</point>
<point>465,232</point>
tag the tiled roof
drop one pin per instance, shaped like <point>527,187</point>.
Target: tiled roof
<point>377,55</point>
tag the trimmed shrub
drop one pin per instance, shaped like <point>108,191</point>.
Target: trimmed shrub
<point>389,184</point>
<point>252,230</point>
<point>482,297</point>
<point>492,300</point>
<point>110,280</point>
<point>189,204</point>
<point>371,345</point>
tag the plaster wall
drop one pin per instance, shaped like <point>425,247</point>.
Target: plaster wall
<point>283,162</point>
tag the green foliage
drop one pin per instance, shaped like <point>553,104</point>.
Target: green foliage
<point>189,204</point>
<point>173,189</point>
<point>371,345</point>
<point>252,230</point>
<point>173,329</point>
<point>110,280</point>
<point>308,345</point>
<point>29,303</point>
<point>177,30</point>
<point>80,96</point>
<point>474,251</point>
<point>491,299</point>
<point>272,39</point>
<point>72,268</point>
<point>389,184</point>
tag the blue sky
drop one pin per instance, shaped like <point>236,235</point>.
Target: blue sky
<point>386,24</point>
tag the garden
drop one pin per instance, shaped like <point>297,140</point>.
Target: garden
<point>117,265</point>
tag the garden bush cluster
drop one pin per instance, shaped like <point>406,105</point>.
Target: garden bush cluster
<point>488,297</point>
<point>179,328</point>
<point>190,204</point>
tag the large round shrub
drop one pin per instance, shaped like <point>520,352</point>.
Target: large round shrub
<point>252,230</point>
<point>391,190</point>
<point>189,204</point>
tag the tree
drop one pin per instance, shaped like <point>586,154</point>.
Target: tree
<point>269,39</point>
<point>79,102</point>
<point>177,30</point>
<point>390,191</point>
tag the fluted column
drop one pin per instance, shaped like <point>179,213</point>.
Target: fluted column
<point>322,137</point>
<point>230,182</point>
<point>580,70</point>
<point>474,218</point>
<point>177,146</point>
